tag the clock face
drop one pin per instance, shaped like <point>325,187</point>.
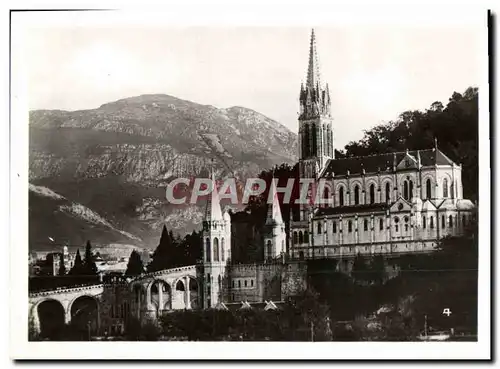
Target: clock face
<point>400,206</point>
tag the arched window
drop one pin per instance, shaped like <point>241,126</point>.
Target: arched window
<point>405,190</point>
<point>432,222</point>
<point>445,187</point>
<point>396,224</point>
<point>424,222</point>
<point>356,195</point>
<point>411,190</point>
<point>381,224</point>
<point>301,238</point>
<point>314,145</point>
<point>450,221</point>
<point>387,192</point>
<point>269,249</point>
<point>306,143</point>
<point>349,226</point>
<point>319,227</point>
<point>372,193</point>
<point>222,251</point>
<point>341,196</point>
<point>365,225</point>
<point>428,188</point>
<point>334,225</point>
<point>306,237</point>
<point>443,222</point>
<point>295,238</point>
<point>216,249</point>
<point>208,252</point>
<point>179,286</point>
<point>326,195</point>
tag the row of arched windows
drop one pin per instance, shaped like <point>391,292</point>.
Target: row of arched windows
<point>218,253</point>
<point>299,237</point>
<point>371,194</point>
<point>408,191</point>
<point>443,221</point>
<point>310,142</point>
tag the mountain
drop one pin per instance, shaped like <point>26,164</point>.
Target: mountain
<point>116,160</point>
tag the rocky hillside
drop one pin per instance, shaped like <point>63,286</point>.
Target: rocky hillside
<point>116,160</point>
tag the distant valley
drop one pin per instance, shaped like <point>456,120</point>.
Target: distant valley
<point>100,174</point>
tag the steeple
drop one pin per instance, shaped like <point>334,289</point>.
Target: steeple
<point>313,77</point>
<point>273,210</point>
<point>213,211</point>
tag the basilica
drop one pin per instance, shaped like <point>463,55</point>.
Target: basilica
<point>385,204</point>
<point>389,204</point>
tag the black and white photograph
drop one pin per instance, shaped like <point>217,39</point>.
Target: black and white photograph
<point>319,182</point>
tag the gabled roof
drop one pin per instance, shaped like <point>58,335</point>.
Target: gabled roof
<point>383,162</point>
<point>245,305</point>
<point>220,306</point>
<point>270,306</point>
<point>428,205</point>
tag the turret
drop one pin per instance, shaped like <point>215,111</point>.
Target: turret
<point>216,248</point>
<point>275,237</point>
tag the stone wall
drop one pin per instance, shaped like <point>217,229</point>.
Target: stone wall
<point>115,307</point>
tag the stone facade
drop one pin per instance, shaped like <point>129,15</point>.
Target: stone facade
<point>380,204</point>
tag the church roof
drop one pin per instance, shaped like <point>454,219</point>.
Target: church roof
<point>383,162</point>
<point>351,209</point>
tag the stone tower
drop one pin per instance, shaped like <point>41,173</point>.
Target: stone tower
<point>315,120</point>
<point>275,237</point>
<point>216,248</point>
<point>316,141</point>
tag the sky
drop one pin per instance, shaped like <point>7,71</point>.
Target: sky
<point>374,72</point>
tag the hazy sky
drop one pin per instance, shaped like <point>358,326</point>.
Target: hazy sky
<point>374,73</point>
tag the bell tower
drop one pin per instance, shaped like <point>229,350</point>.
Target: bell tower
<point>316,147</point>
<point>315,120</point>
<point>216,242</point>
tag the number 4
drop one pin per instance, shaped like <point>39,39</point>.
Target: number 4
<point>446,312</point>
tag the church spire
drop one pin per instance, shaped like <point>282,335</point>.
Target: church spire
<point>213,211</point>
<point>273,210</point>
<point>313,77</point>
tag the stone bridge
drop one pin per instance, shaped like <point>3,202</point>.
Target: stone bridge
<point>62,305</point>
<point>147,296</point>
<point>165,290</point>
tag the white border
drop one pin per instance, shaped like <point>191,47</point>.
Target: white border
<point>226,14</point>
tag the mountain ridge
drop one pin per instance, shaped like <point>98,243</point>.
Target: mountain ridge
<point>117,159</point>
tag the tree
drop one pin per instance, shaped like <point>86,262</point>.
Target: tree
<point>163,254</point>
<point>62,267</point>
<point>77,265</point>
<point>134,266</point>
<point>89,266</point>
<point>455,127</point>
